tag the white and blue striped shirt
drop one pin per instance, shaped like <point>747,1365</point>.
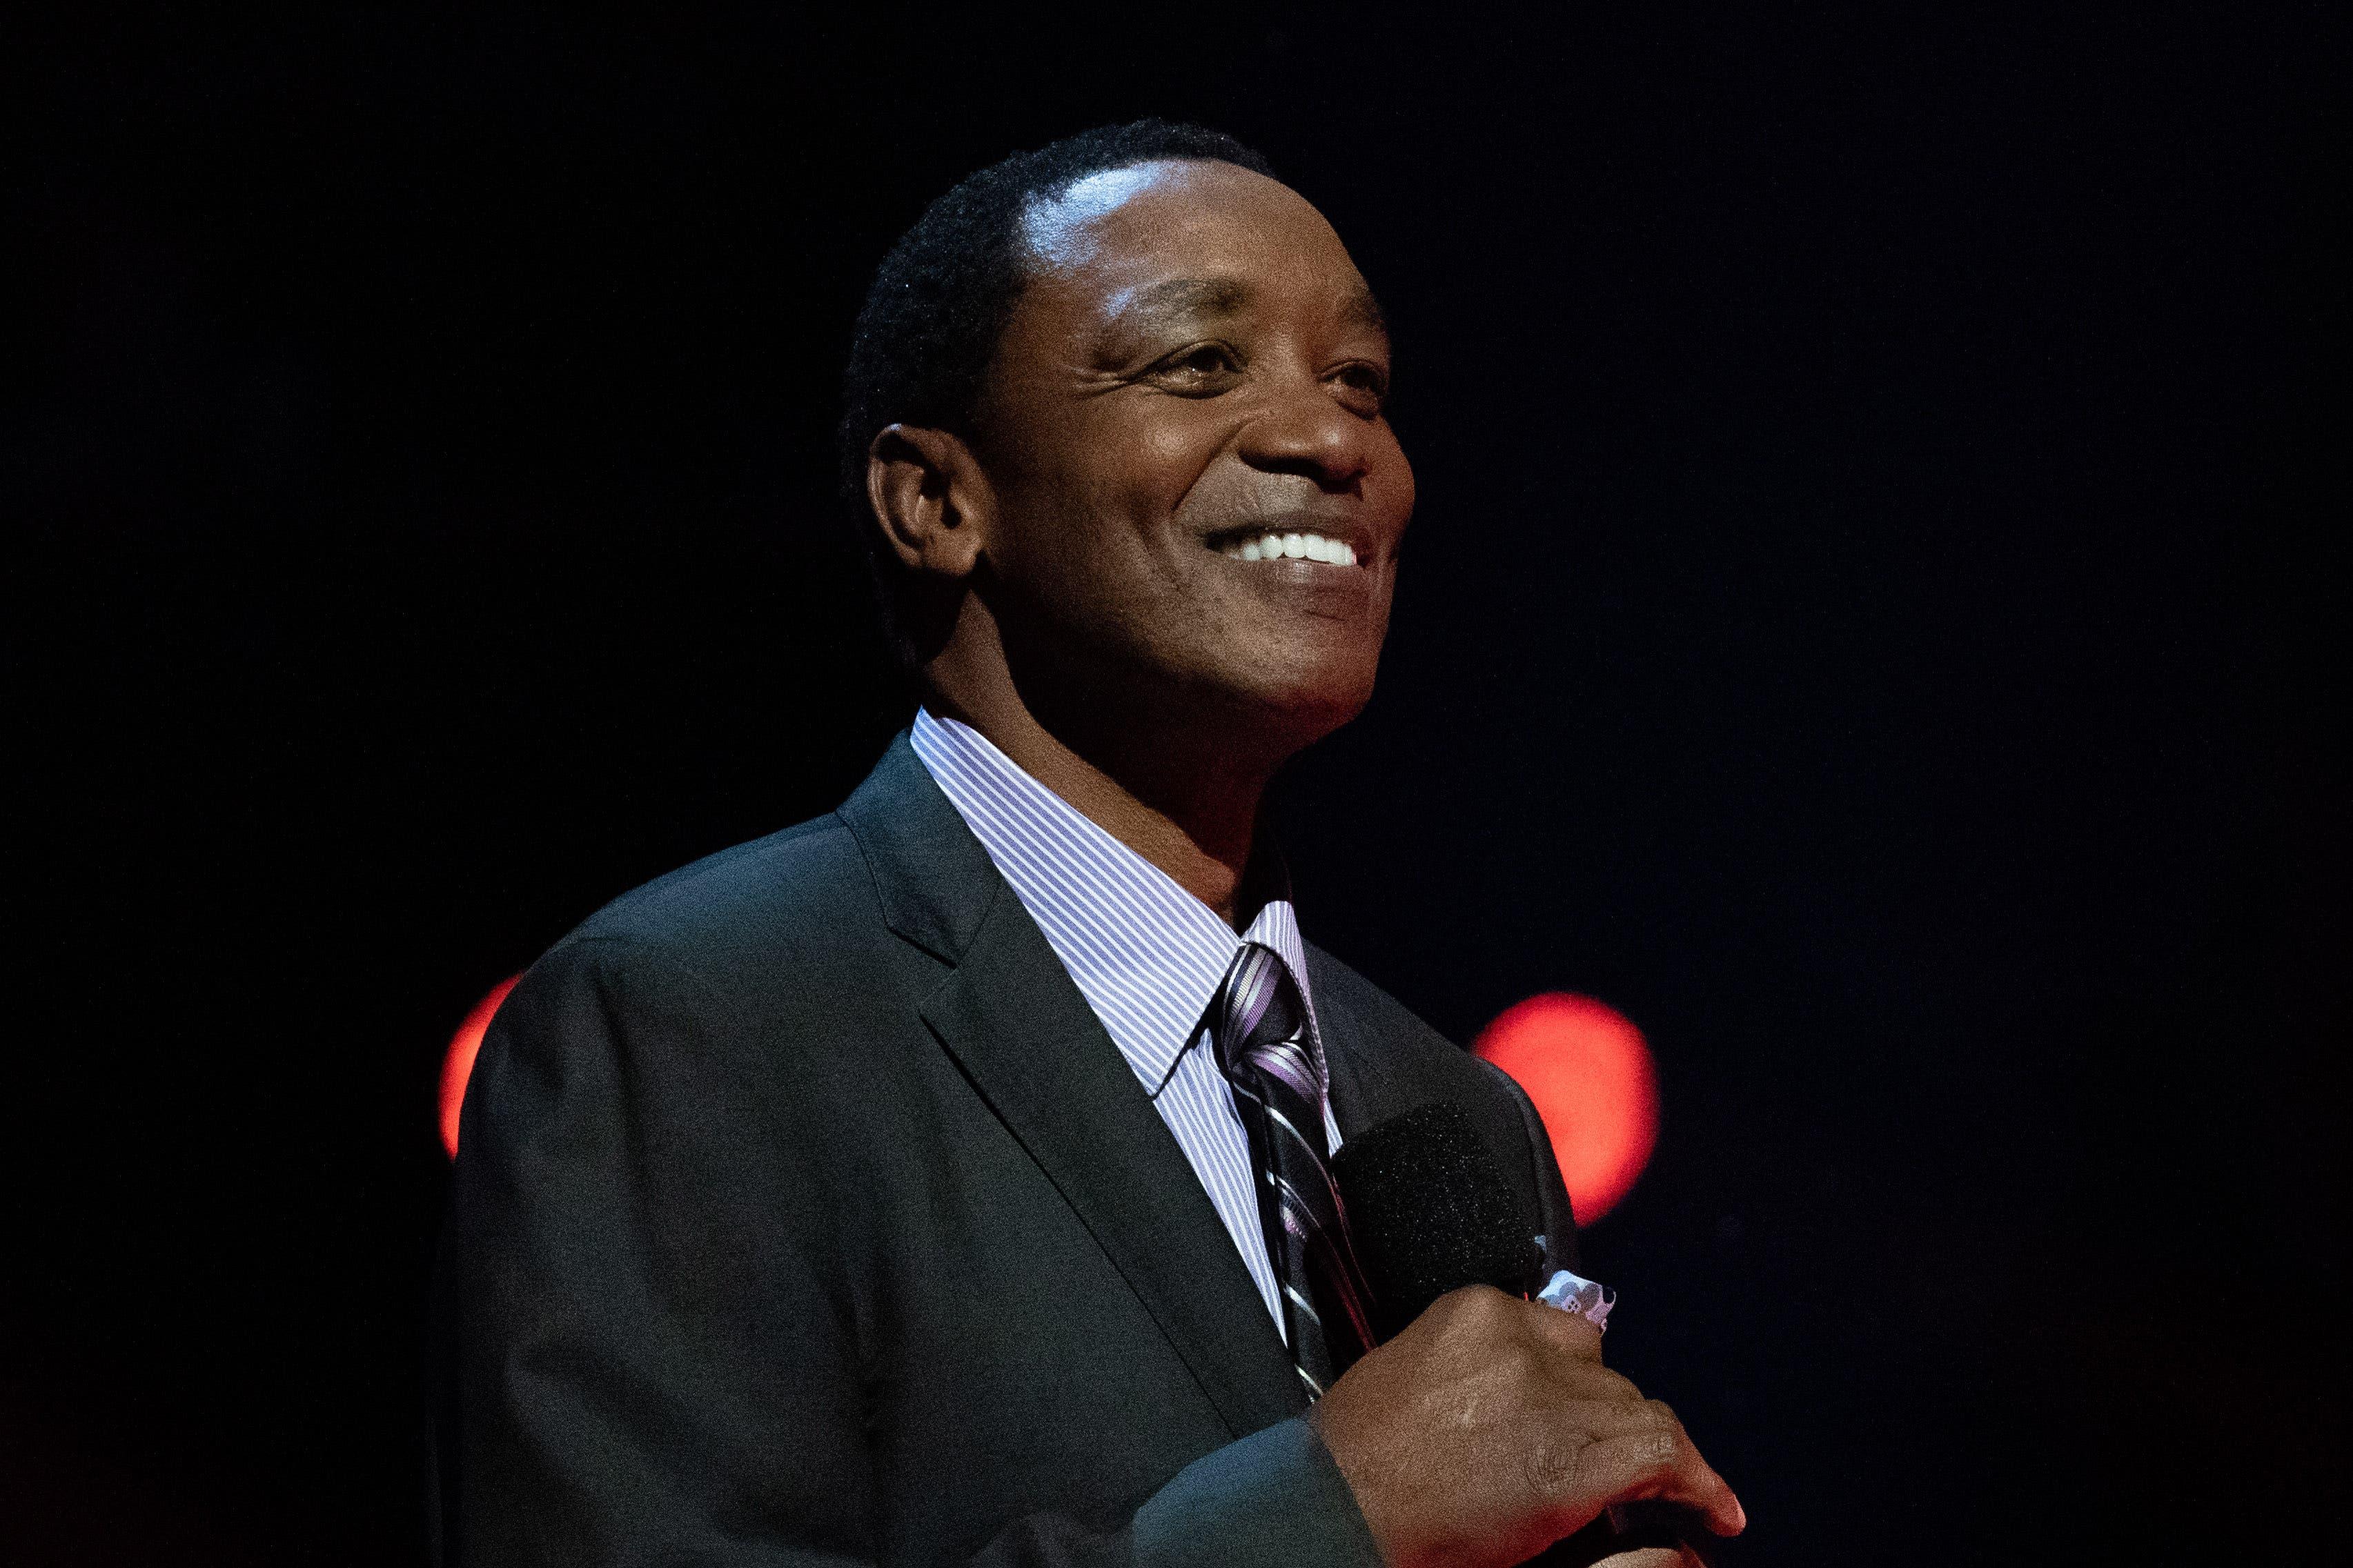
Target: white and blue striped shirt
<point>1147,954</point>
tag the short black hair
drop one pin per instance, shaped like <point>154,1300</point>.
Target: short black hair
<point>940,299</point>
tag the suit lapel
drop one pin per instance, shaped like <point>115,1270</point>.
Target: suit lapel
<point>1359,1089</point>
<point>1028,1042</point>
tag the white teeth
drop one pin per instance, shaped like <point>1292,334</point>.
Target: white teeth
<point>1294,547</point>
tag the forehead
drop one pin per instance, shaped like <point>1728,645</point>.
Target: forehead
<point>1115,235</point>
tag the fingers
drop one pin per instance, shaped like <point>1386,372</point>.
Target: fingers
<point>1561,1348</point>
<point>1596,1419</point>
<point>1643,1455</point>
<point>1565,1331</point>
<point>1585,1435</point>
<point>1484,1316</point>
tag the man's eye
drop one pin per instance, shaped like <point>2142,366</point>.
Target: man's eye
<point>1364,387</point>
<point>1206,368</point>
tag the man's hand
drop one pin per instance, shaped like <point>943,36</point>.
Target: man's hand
<point>1489,1429</point>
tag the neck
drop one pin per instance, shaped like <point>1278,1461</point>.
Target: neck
<point>1183,806</point>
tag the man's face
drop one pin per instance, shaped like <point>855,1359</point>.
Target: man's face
<point>1195,368</point>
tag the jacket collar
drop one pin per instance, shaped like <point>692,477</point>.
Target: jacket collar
<point>933,878</point>
<point>1010,1013</point>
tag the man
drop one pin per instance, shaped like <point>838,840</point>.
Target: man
<point>909,1186</point>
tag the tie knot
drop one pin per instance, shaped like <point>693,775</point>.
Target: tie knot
<point>1258,1006</point>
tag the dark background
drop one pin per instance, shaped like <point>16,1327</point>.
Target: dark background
<point>1869,620</point>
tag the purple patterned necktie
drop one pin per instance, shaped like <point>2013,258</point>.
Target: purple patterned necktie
<point>1259,1027</point>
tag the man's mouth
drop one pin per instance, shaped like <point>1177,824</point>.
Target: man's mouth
<point>1287,547</point>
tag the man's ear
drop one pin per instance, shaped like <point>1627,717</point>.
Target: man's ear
<point>932,501</point>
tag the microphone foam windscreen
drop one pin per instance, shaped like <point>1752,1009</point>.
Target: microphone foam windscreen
<point>1431,1212</point>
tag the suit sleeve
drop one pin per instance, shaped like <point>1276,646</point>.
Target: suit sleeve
<point>645,1351</point>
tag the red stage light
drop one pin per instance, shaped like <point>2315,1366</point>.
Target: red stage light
<point>1589,1074</point>
<point>459,1064</point>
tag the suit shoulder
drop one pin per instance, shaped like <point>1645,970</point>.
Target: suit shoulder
<point>805,885</point>
<point>1403,1063</point>
<point>1341,989</point>
<point>1397,1052</point>
<point>1397,1025</point>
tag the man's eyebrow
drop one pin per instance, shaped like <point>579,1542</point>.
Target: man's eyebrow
<point>1178,297</point>
<point>1188,297</point>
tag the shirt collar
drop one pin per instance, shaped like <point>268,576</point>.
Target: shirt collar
<point>1147,956</point>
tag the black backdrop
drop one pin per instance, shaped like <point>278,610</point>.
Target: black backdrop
<point>1867,620</point>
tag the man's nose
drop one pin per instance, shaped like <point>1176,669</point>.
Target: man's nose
<point>1304,430</point>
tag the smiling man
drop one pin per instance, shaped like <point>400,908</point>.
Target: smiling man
<point>945,1179</point>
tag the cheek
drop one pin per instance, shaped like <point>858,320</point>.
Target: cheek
<point>1134,476</point>
<point>1085,545</point>
<point>1393,476</point>
<point>1169,455</point>
<point>1127,466</point>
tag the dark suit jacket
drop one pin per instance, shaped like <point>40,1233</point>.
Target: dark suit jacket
<point>806,1213</point>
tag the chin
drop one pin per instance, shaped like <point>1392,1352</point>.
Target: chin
<point>1299,706</point>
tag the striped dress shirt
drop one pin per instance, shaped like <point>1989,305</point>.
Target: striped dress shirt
<point>1146,955</point>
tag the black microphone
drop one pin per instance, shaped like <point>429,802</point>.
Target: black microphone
<point>1430,1211</point>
